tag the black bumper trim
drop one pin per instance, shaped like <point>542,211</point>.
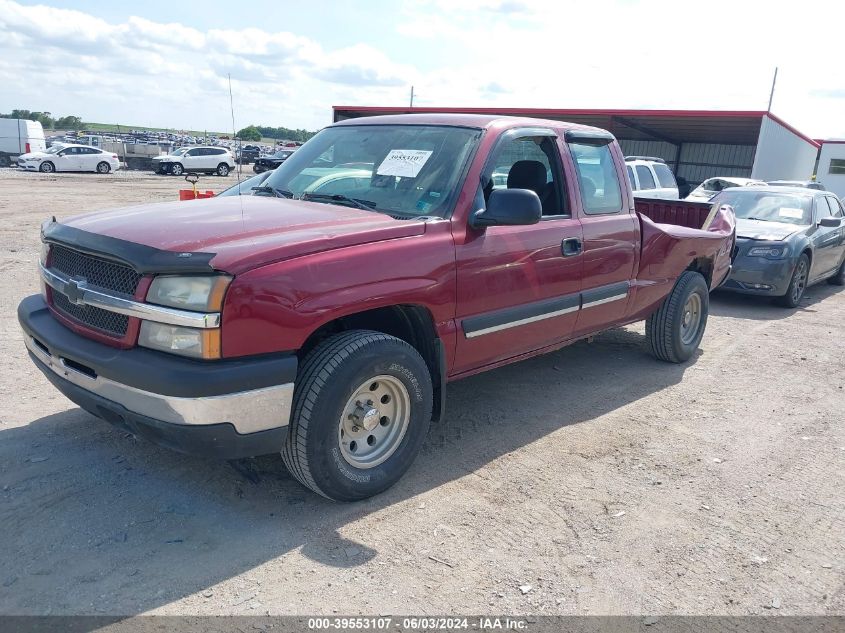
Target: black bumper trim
<point>220,441</point>
<point>153,371</point>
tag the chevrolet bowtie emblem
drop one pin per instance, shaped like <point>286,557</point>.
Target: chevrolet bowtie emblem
<point>74,291</point>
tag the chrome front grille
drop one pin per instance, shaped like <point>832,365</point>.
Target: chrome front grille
<point>94,270</point>
<point>97,318</point>
<point>99,272</point>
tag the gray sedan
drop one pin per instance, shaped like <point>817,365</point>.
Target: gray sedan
<point>787,239</point>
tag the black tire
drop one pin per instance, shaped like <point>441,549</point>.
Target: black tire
<point>670,338</point>
<point>222,169</point>
<point>797,285</point>
<point>839,278</point>
<point>103,167</point>
<point>176,169</point>
<point>47,167</point>
<point>327,380</point>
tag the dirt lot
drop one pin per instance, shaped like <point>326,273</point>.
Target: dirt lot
<point>595,478</point>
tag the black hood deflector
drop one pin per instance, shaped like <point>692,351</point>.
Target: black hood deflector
<point>144,259</point>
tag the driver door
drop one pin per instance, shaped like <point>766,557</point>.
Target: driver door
<point>519,286</point>
<point>68,159</point>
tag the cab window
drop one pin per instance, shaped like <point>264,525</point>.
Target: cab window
<point>597,177</point>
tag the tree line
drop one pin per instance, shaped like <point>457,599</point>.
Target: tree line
<point>46,119</point>
<point>257,132</point>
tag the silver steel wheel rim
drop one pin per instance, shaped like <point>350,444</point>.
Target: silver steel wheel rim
<point>176,170</point>
<point>103,168</point>
<point>223,171</point>
<point>374,422</point>
<point>691,319</point>
<point>47,167</point>
<point>800,282</point>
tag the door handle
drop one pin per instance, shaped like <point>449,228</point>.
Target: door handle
<point>570,247</point>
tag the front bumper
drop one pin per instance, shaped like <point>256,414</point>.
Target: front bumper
<point>227,409</point>
<point>760,276</point>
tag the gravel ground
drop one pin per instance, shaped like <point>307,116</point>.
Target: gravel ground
<point>593,480</point>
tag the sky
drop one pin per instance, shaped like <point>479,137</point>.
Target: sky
<point>165,64</point>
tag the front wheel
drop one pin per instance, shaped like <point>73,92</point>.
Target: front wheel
<point>222,169</point>
<point>361,411</point>
<point>103,167</point>
<point>674,332</point>
<point>47,167</point>
<point>176,169</point>
<point>797,285</point>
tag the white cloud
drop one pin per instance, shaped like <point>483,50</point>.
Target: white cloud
<point>528,53</point>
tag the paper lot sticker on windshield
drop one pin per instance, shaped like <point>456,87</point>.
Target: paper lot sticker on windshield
<point>791,212</point>
<point>403,162</point>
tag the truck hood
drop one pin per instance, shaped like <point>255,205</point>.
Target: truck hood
<point>246,231</point>
<point>763,230</point>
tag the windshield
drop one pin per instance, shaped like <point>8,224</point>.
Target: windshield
<point>768,206</point>
<point>397,169</point>
<point>180,151</point>
<point>55,149</point>
<point>245,187</point>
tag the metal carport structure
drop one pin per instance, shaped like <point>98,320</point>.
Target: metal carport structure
<point>697,144</point>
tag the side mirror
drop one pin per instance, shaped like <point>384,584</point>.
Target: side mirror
<point>509,207</point>
<point>830,222</point>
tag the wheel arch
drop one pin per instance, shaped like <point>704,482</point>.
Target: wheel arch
<point>411,323</point>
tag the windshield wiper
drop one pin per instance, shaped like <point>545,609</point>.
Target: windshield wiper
<point>367,205</point>
<point>279,193</point>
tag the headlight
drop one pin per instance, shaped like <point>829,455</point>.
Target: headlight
<point>204,294</point>
<point>768,251</point>
<point>184,341</point>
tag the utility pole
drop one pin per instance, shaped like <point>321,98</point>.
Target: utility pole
<point>412,96</point>
<point>772,93</point>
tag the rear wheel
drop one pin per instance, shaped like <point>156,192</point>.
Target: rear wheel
<point>361,411</point>
<point>839,278</point>
<point>674,332</point>
<point>797,285</point>
<point>47,167</point>
<point>222,169</point>
<point>103,167</point>
<point>176,169</point>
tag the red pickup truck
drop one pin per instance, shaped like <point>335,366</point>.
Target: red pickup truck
<point>323,316</point>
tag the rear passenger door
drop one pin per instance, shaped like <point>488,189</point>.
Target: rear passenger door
<point>88,158</point>
<point>610,229</point>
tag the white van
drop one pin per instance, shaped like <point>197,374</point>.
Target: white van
<point>19,136</point>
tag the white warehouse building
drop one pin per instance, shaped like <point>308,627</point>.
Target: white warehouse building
<point>696,144</point>
<point>831,168</point>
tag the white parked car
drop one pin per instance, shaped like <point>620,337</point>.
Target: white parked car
<point>712,186</point>
<point>651,178</point>
<point>63,157</point>
<point>206,159</point>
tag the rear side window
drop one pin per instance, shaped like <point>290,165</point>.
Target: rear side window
<point>835,207</point>
<point>645,177</point>
<point>599,183</point>
<point>664,176</point>
<point>631,177</point>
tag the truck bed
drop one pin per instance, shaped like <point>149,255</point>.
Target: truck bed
<point>692,215</point>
